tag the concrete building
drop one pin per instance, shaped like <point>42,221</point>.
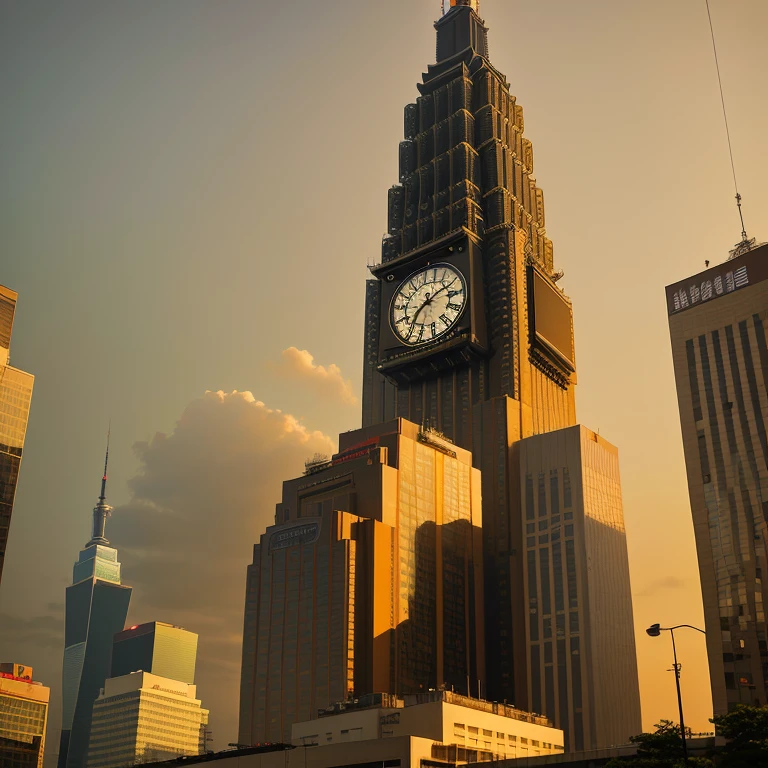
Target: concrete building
<point>140,717</point>
<point>581,644</point>
<point>96,609</point>
<point>370,579</point>
<point>717,322</point>
<point>23,717</point>
<point>15,398</point>
<point>457,729</point>
<point>158,648</point>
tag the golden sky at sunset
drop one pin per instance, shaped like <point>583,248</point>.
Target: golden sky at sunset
<point>191,194</point>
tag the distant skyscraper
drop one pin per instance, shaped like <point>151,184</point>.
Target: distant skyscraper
<point>15,398</point>
<point>23,717</point>
<point>579,624</point>
<point>718,321</point>
<point>139,718</point>
<point>159,648</point>
<point>370,580</point>
<point>96,609</point>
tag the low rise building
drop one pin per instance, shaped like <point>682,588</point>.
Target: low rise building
<point>23,717</point>
<point>142,717</point>
<point>454,728</point>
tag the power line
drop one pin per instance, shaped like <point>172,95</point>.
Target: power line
<point>725,120</point>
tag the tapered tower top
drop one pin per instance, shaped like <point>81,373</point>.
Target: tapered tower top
<point>102,510</point>
<point>461,29</point>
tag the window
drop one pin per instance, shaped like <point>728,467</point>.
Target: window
<point>472,729</point>
<point>459,725</point>
<point>486,732</point>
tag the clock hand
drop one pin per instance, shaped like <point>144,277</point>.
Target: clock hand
<point>444,288</point>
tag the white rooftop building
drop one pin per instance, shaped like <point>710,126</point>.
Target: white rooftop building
<point>445,727</point>
<point>141,717</point>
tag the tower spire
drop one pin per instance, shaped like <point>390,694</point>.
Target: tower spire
<point>102,510</point>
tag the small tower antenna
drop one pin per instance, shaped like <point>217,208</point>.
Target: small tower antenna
<point>102,510</point>
<point>103,496</point>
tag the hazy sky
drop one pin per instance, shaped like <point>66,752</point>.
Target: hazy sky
<point>190,194</point>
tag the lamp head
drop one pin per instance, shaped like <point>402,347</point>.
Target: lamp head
<point>654,630</point>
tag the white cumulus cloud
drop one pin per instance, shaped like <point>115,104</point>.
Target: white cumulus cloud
<point>201,498</point>
<point>327,381</point>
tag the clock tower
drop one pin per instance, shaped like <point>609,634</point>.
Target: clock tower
<point>466,329</point>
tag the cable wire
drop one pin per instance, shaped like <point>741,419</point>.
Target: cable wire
<point>725,119</point>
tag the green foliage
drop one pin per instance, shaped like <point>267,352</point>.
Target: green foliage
<point>746,732</point>
<point>661,749</point>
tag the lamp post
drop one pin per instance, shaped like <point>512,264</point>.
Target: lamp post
<point>654,631</point>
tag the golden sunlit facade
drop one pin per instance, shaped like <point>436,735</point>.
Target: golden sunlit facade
<point>370,580</point>
<point>15,398</point>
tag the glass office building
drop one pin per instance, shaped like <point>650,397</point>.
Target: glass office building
<point>159,648</point>
<point>23,717</point>
<point>15,399</point>
<point>96,609</point>
<point>718,322</point>
<point>370,580</point>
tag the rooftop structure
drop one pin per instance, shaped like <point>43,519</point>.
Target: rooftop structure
<point>459,729</point>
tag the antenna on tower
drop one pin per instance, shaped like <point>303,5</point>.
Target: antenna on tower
<point>746,244</point>
<point>103,496</point>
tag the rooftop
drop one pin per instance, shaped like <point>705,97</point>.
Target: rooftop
<point>391,701</point>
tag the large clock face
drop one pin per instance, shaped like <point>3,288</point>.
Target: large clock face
<point>428,304</point>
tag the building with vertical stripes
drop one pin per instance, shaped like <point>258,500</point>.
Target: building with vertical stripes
<point>718,322</point>
<point>370,580</point>
<point>579,622</point>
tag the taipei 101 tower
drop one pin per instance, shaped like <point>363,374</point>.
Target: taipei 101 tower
<point>469,538</point>
<point>96,609</point>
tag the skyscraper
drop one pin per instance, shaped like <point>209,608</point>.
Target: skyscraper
<point>15,398</point>
<point>576,585</point>
<point>156,647</point>
<point>370,580</point>
<point>467,330</point>
<point>468,334</point>
<point>96,609</point>
<point>23,717</point>
<point>718,321</point>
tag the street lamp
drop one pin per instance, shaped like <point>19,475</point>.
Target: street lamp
<point>654,631</point>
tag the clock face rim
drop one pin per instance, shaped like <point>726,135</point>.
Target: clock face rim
<point>442,334</point>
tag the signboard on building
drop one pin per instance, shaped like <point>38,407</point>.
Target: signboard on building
<point>725,278</point>
<point>300,533</point>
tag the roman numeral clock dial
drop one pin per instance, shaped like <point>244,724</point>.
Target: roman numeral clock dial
<point>428,304</point>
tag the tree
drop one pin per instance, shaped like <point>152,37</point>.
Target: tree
<point>661,749</point>
<point>746,732</point>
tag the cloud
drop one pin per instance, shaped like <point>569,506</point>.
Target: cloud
<point>660,585</point>
<point>299,365</point>
<point>201,498</point>
<point>38,632</point>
